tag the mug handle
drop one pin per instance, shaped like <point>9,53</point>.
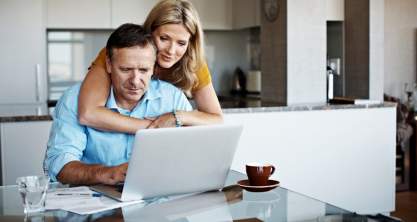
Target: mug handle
<point>272,170</point>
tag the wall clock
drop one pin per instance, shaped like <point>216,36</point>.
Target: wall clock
<point>270,9</point>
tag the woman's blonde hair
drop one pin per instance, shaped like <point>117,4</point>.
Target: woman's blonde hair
<point>183,73</point>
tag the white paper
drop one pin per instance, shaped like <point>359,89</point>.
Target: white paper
<point>104,203</point>
<point>81,204</point>
<point>366,102</point>
<point>54,201</point>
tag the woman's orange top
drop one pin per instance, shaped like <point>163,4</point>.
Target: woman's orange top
<point>203,74</point>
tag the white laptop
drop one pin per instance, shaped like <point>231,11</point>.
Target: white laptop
<point>171,161</point>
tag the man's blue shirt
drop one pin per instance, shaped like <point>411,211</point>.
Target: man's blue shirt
<point>70,141</point>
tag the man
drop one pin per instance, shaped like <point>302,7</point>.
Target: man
<point>81,155</point>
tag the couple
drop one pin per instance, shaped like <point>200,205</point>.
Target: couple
<point>126,99</point>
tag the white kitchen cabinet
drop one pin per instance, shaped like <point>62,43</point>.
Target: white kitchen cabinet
<point>23,146</point>
<point>79,14</point>
<point>130,11</point>
<point>246,13</point>
<point>335,10</point>
<point>23,47</point>
<point>23,109</point>
<point>215,14</point>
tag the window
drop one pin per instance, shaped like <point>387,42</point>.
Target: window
<point>70,53</point>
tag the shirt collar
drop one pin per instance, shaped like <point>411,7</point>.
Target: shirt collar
<point>151,94</point>
<point>111,101</point>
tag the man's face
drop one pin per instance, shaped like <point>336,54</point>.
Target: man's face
<point>131,70</point>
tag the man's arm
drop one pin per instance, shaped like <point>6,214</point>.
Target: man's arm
<point>78,173</point>
<point>66,146</point>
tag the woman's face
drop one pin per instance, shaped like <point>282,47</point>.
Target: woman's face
<point>172,42</point>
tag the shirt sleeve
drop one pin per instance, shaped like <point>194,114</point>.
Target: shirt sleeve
<point>67,139</point>
<point>203,78</point>
<point>181,101</point>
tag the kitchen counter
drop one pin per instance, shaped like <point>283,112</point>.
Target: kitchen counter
<point>350,148</point>
<point>24,112</point>
<point>254,104</point>
<point>4,119</point>
<point>315,146</point>
<point>236,106</point>
<point>306,107</point>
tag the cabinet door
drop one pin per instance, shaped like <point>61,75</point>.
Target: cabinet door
<point>130,11</point>
<point>215,14</point>
<point>246,13</point>
<point>23,109</point>
<point>23,146</point>
<point>23,48</point>
<point>94,14</point>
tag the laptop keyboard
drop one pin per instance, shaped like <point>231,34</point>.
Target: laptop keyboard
<point>120,187</point>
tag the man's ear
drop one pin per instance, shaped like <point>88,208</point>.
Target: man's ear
<point>108,65</point>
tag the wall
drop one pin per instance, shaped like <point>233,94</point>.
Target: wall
<point>274,56</point>
<point>400,45</point>
<point>364,49</point>
<point>335,10</point>
<point>294,53</point>
<point>306,51</point>
<point>377,49</point>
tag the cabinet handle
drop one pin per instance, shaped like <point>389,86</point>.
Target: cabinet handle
<point>38,82</point>
<point>38,111</point>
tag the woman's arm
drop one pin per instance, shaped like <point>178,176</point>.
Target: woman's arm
<point>208,108</point>
<point>208,111</point>
<point>91,105</point>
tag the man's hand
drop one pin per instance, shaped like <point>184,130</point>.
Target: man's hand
<point>78,173</point>
<point>164,121</point>
<point>112,175</point>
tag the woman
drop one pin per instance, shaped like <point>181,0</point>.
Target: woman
<point>177,32</point>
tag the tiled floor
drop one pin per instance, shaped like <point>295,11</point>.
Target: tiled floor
<point>406,206</point>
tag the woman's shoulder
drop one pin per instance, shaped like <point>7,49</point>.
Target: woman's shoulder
<point>100,59</point>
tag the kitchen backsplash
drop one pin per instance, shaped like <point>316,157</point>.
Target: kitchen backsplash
<point>70,53</point>
<point>227,50</point>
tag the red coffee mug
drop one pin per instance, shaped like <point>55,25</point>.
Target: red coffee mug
<point>258,174</point>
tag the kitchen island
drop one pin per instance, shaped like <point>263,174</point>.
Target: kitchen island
<point>341,154</point>
<point>23,137</point>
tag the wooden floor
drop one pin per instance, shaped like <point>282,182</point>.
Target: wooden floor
<point>406,206</point>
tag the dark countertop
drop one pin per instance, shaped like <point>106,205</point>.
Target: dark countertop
<point>253,103</point>
<point>24,113</point>
<point>5,119</point>
<point>307,107</point>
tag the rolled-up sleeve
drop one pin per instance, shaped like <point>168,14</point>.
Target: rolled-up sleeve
<point>67,139</point>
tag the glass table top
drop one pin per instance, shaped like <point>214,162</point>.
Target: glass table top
<point>230,204</point>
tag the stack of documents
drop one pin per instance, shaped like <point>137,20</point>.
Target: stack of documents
<point>81,200</point>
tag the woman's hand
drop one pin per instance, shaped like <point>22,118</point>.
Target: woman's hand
<point>163,121</point>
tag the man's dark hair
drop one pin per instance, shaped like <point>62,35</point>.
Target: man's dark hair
<point>128,35</point>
